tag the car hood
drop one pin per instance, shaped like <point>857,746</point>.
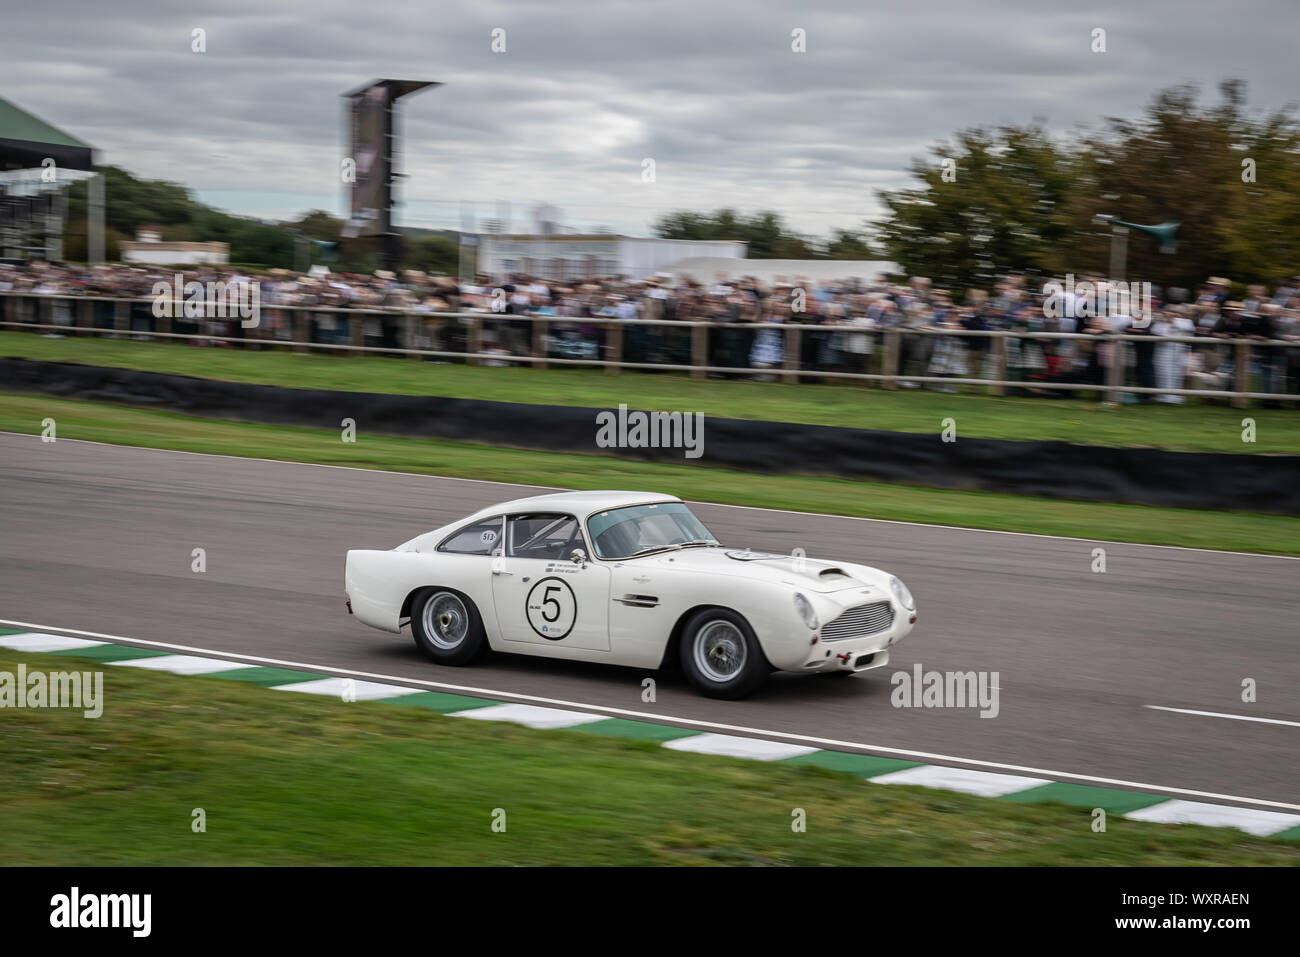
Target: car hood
<point>811,574</point>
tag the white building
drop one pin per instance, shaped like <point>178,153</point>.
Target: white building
<point>580,257</point>
<point>707,269</point>
<point>150,249</point>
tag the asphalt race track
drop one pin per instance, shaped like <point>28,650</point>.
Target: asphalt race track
<point>99,538</point>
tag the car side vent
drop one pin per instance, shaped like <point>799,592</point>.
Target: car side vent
<point>639,601</point>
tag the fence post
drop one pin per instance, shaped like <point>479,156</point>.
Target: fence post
<point>473,340</point>
<point>121,316</point>
<point>356,332</point>
<point>699,351</point>
<point>85,315</point>
<point>1115,372</point>
<point>410,323</point>
<point>999,364</point>
<point>300,330</point>
<point>1241,375</point>
<point>163,323</point>
<point>539,344</point>
<point>889,361</point>
<point>790,361</point>
<point>613,346</point>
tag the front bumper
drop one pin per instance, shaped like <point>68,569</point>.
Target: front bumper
<point>813,653</point>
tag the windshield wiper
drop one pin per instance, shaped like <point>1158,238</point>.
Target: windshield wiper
<point>653,548</point>
<point>674,546</point>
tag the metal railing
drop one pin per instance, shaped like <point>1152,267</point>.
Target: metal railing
<point>896,355</point>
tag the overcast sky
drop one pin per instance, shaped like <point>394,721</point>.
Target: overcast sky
<point>584,92</point>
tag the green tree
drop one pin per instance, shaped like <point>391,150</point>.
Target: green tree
<point>1020,202</point>
<point>992,202</point>
<point>764,232</point>
<point>432,254</point>
<point>849,244</point>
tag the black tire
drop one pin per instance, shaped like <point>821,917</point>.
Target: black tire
<point>711,642</point>
<point>451,633</point>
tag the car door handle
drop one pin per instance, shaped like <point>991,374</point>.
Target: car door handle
<point>497,571</point>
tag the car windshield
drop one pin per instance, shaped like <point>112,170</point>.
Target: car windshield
<point>640,529</point>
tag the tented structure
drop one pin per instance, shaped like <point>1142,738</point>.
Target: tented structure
<point>32,208</point>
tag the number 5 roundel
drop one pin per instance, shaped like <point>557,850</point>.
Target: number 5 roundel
<point>551,608</point>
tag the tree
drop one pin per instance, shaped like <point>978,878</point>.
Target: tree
<point>432,254</point>
<point>1015,201</point>
<point>764,232</point>
<point>993,202</point>
<point>130,203</point>
<point>848,244</point>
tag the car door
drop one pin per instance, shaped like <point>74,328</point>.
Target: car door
<point>541,596</point>
<point>472,548</point>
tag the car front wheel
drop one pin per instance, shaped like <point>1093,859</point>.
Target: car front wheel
<point>446,626</point>
<point>721,656</point>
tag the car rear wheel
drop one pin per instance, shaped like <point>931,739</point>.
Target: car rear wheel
<point>721,656</point>
<point>447,627</point>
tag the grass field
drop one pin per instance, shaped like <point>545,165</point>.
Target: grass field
<point>288,779</point>
<point>1199,428</point>
<point>102,422</point>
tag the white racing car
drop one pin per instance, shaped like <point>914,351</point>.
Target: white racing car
<point>627,578</point>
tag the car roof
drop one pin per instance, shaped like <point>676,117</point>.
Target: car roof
<point>579,503</point>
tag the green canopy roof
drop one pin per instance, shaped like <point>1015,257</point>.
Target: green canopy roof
<point>26,139</point>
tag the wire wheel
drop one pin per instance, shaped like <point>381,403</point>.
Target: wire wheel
<point>720,651</point>
<point>446,621</point>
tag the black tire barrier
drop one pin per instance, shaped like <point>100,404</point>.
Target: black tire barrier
<point>1062,470</point>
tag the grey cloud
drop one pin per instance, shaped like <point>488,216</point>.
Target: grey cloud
<point>711,91</point>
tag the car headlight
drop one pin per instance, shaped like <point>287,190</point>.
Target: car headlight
<point>805,611</point>
<point>901,594</point>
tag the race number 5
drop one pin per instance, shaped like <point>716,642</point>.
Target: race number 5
<point>551,608</point>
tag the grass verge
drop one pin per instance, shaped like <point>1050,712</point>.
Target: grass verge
<point>1195,428</point>
<point>289,779</point>
<point>76,419</point>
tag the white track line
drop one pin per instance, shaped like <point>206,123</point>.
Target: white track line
<point>530,716</point>
<point>1220,714</point>
<point>756,749</point>
<point>983,783</point>
<point>751,508</point>
<point>35,642</point>
<point>344,687</point>
<point>182,664</point>
<point>1259,823</point>
<point>832,743</point>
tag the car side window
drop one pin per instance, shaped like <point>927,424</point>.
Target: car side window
<point>549,536</point>
<point>481,538</point>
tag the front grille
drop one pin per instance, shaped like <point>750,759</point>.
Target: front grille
<point>860,621</point>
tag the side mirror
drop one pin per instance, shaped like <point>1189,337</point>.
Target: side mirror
<point>578,556</point>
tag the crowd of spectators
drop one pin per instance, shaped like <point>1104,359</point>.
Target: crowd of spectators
<point>851,318</point>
